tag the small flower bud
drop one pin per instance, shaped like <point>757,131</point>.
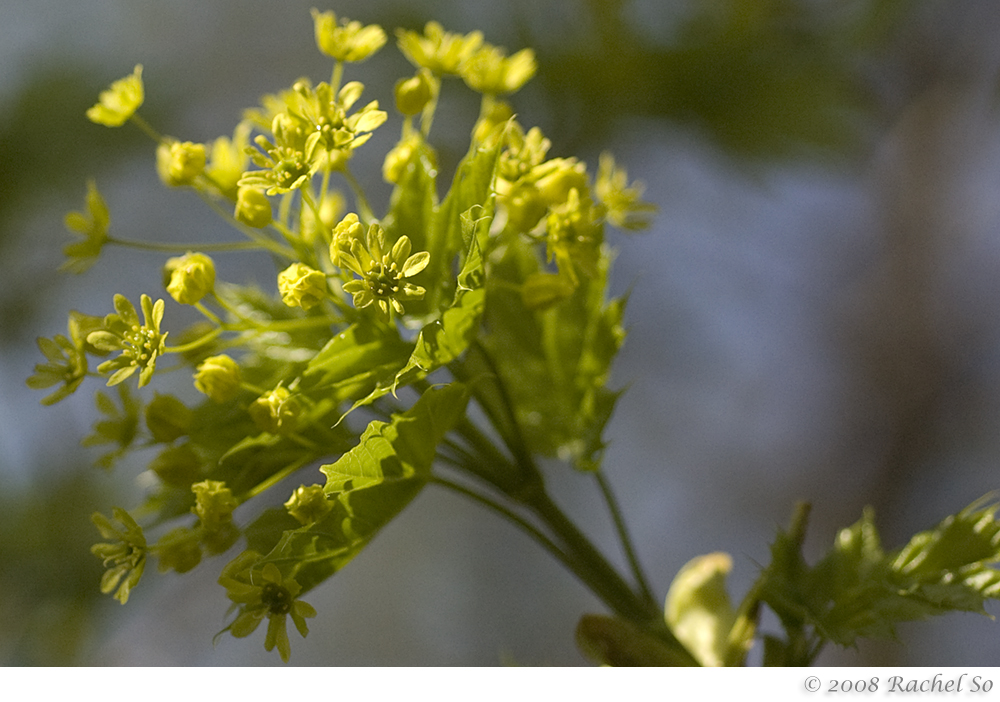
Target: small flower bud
<point>277,412</point>
<point>214,503</point>
<point>179,163</point>
<point>167,418</point>
<point>348,230</point>
<point>556,177</point>
<point>178,550</point>
<point>189,277</point>
<point>308,504</point>
<point>400,156</point>
<point>219,378</point>
<point>413,94</point>
<point>301,286</point>
<point>177,465</point>
<point>487,129</point>
<point>252,207</point>
<point>525,207</point>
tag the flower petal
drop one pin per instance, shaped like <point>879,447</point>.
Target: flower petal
<point>416,263</point>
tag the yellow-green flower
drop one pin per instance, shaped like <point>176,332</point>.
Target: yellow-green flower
<point>276,412</point>
<point>67,359</point>
<point>92,226</point>
<point>573,237</point>
<point>119,102</point>
<point>491,72</point>
<point>189,277</point>
<point>399,157</point>
<point>346,231</point>
<point>286,167</point>
<point>332,134</point>
<point>126,555</point>
<point>179,162</point>
<point>120,426</point>
<point>350,41</point>
<point>413,94</point>
<point>140,343</point>
<point>264,592</point>
<point>308,504</point>
<point>219,378</point>
<point>252,207</point>
<point>491,126</point>
<point>437,50</point>
<point>383,274</point>
<point>214,502</point>
<point>301,286</point>
<point>557,177</point>
<point>622,203</point>
<point>228,159</point>
<point>523,152</point>
<point>214,505</point>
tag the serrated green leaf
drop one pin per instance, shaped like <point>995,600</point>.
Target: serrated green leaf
<point>859,591</point>
<point>470,188</point>
<point>355,362</point>
<point>369,485</point>
<point>554,362</point>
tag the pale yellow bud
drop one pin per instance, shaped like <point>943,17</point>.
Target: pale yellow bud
<point>253,208</point>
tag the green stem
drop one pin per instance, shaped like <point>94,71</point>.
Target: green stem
<point>145,127</point>
<point>526,526</point>
<point>163,247</point>
<point>596,572</point>
<point>192,345</point>
<point>336,77</point>
<point>625,538</point>
<point>365,212</point>
<point>262,241</point>
<point>209,314</point>
<point>277,477</point>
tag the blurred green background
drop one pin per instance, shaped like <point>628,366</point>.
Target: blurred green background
<point>813,314</point>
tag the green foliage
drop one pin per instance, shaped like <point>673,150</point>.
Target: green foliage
<point>858,590</point>
<point>368,486</point>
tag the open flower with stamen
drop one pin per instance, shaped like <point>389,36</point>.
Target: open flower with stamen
<point>125,558</point>
<point>140,343</point>
<point>383,274</point>
<point>622,202</point>
<point>284,161</point>
<point>440,51</point>
<point>92,225</point>
<point>264,592</point>
<point>67,359</point>
<point>346,41</point>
